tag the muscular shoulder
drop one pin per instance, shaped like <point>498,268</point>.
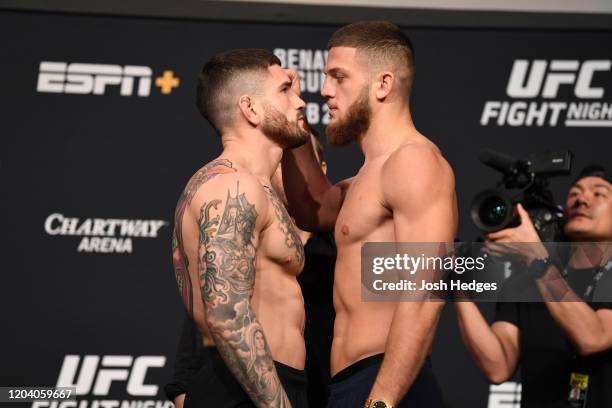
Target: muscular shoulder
<point>417,157</point>
<point>416,170</point>
<point>208,172</point>
<point>234,192</point>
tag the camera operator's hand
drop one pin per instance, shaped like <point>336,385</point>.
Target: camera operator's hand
<point>522,241</point>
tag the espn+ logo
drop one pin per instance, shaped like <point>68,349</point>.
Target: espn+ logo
<point>110,369</point>
<point>546,80</point>
<point>95,79</point>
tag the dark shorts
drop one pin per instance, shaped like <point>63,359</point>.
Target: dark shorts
<point>351,387</point>
<point>215,386</point>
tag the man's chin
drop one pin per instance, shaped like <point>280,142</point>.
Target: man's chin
<point>333,120</point>
<point>337,136</point>
<point>579,233</point>
<point>296,140</point>
<point>292,144</point>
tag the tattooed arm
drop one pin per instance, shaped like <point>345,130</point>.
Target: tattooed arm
<point>232,213</point>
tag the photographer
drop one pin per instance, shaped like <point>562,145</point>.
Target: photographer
<point>554,342</point>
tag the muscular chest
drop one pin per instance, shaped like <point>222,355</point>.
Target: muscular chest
<point>363,216</point>
<point>280,243</point>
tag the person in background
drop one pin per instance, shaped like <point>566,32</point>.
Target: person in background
<point>567,337</point>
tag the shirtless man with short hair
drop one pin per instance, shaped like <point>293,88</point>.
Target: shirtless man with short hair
<point>236,251</point>
<point>404,192</point>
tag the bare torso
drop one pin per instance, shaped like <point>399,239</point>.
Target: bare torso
<point>277,299</point>
<point>361,328</point>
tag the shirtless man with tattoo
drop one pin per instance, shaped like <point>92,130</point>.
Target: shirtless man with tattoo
<point>236,251</point>
<point>404,192</point>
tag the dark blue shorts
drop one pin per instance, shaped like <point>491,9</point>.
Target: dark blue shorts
<point>351,387</point>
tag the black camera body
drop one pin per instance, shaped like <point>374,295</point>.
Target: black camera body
<point>524,181</point>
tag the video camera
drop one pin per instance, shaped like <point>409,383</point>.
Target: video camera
<point>494,209</point>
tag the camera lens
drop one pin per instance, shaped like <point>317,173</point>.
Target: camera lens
<point>493,211</point>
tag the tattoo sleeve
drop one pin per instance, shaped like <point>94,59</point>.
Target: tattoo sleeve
<point>227,276</point>
<point>180,259</point>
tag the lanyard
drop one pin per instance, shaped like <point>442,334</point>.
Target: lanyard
<point>579,378</point>
<point>596,277</point>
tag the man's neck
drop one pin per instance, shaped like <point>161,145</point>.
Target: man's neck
<point>253,153</point>
<point>389,128</point>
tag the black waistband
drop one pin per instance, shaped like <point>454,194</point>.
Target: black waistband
<point>356,367</point>
<point>289,376</point>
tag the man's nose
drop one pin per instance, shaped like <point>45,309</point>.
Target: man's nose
<point>581,200</point>
<point>300,103</point>
<point>326,90</point>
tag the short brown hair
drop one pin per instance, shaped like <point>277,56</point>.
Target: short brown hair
<point>227,75</point>
<point>382,44</point>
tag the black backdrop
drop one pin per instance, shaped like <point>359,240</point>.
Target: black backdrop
<point>120,162</point>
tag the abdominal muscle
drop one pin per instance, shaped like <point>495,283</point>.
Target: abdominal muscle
<point>361,328</point>
<point>279,307</point>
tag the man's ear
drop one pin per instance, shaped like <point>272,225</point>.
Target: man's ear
<point>249,111</point>
<point>324,167</point>
<point>385,81</point>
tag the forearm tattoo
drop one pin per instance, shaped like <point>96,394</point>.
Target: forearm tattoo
<point>227,277</point>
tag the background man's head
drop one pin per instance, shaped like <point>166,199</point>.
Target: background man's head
<point>589,206</point>
<point>369,63</point>
<point>247,88</point>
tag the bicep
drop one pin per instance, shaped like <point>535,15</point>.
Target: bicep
<point>425,215</point>
<point>229,225</point>
<point>424,205</point>
<point>435,221</point>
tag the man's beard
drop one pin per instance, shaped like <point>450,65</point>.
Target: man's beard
<point>282,132</point>
<point>355,123</point>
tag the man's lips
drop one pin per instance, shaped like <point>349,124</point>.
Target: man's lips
<point>576,214</point>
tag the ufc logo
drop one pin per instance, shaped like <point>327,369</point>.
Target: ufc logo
<point>77,78</point>
<point>112,368</point>
<point>506,395</point>
<point>528,81</point>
